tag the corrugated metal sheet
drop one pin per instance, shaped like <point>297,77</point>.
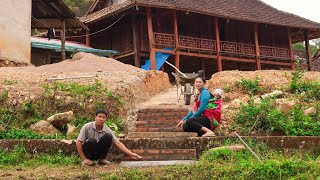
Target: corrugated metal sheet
<point>55,45</point>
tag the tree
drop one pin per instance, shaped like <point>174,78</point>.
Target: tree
<point>79,7</point>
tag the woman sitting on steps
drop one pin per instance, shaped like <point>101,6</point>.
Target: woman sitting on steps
<point>206,114</point>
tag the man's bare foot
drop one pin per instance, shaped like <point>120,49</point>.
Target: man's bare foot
<point>209,134</point>
<point>103,162</point>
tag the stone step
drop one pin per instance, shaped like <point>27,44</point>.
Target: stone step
<point>161,114</point>
<point>161,134</point>
<point>157,123</point>
<point>159,129</point>
<point>164,154</point>
<point>155,163</point>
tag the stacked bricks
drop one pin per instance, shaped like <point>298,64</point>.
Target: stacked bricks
<point>161,123</point>
<point>159,120</point>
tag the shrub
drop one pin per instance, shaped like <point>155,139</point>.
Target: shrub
<point>250,86</point>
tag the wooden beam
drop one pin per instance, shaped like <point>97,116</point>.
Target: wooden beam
<point>238,59</point>
<point>198,55</point>
<point>306,39</point>
<point>63,40</point>
<point>256,42</point>
<point>166,51</point>
<point>290,49</point>
<point>151,40</point>
<point>87,38</point>
<point>176,40</point>
<point>123,55</point>
<point>275,63</point>
<point>136,44</point>
<point>217,34</point>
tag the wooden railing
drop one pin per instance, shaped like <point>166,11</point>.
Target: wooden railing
<point>237,48</point>
<point>300,55</point>
<point>227,48</point>
<point>274,52</point>
<point>164,40</point>
<point>197,43</point>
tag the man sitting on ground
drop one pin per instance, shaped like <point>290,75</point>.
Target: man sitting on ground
<point>94,141</point>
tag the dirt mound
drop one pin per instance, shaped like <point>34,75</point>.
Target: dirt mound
<point>81,62</point>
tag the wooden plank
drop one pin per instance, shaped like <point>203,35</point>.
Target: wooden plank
<point>290,49</point>
<point>306,39</point>
<point>151,40</point>
<point>135,39</point>
<point>217,35</point>
<point>256,42</point>
<point>87,38</point>
<point>63,39</point>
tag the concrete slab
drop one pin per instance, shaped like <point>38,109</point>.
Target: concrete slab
<point>161,134</point>
<point>155,163</point>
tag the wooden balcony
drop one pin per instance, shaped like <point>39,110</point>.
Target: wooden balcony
<point>228,49</point>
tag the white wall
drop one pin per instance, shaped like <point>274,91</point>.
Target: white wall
<point>15,30</point>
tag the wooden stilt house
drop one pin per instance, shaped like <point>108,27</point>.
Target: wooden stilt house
<point>212,35</point>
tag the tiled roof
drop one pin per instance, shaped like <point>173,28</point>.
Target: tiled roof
<point>245,10</point>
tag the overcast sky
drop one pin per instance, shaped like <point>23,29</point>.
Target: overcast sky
<point>305,8</point>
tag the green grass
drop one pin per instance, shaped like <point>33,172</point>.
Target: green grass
<point>250,86</point>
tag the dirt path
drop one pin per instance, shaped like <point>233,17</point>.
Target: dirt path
<point>166,99</point>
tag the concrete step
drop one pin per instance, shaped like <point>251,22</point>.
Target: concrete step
<point>161,114</point>
<point>161,134</point>
<point>164,154</point>
<point>155,163</point>
<point>159,129</point>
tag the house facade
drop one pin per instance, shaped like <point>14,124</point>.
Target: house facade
<point>212,35</point>
<point>15,31</point>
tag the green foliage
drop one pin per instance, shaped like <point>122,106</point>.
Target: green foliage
<point>265,117</point>
<point>301,47</point>
<point>79,7</point>
<point>3,96</point>
<point>14,133</point>
<point>311,89</point>
<point>20,157</point>
<point>226,164</point>
<point>250,86</point>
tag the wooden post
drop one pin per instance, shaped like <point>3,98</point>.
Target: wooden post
<point>151,40</point>
<point>176,40</point>
<point>290,49</point>
<point>256,41</point>
<point>63,40</point>
<point>87,38</point>
<point>306,39</point>
<point>136,46</point>
<point>217,34</point>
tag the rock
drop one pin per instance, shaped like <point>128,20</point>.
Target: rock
<point>71,129</point>
<point>237,147</point>
<point>257,101</point>
<point>90,100</point>
<point>273,94</point>
<point>235,103</point>
<point>284,105</point>
<point>45,128</point>
<point>61,119</point>
<point>310,111</point>
<point>2,128</point>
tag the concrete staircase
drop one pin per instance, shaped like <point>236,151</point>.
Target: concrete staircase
<point>160,123</point>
